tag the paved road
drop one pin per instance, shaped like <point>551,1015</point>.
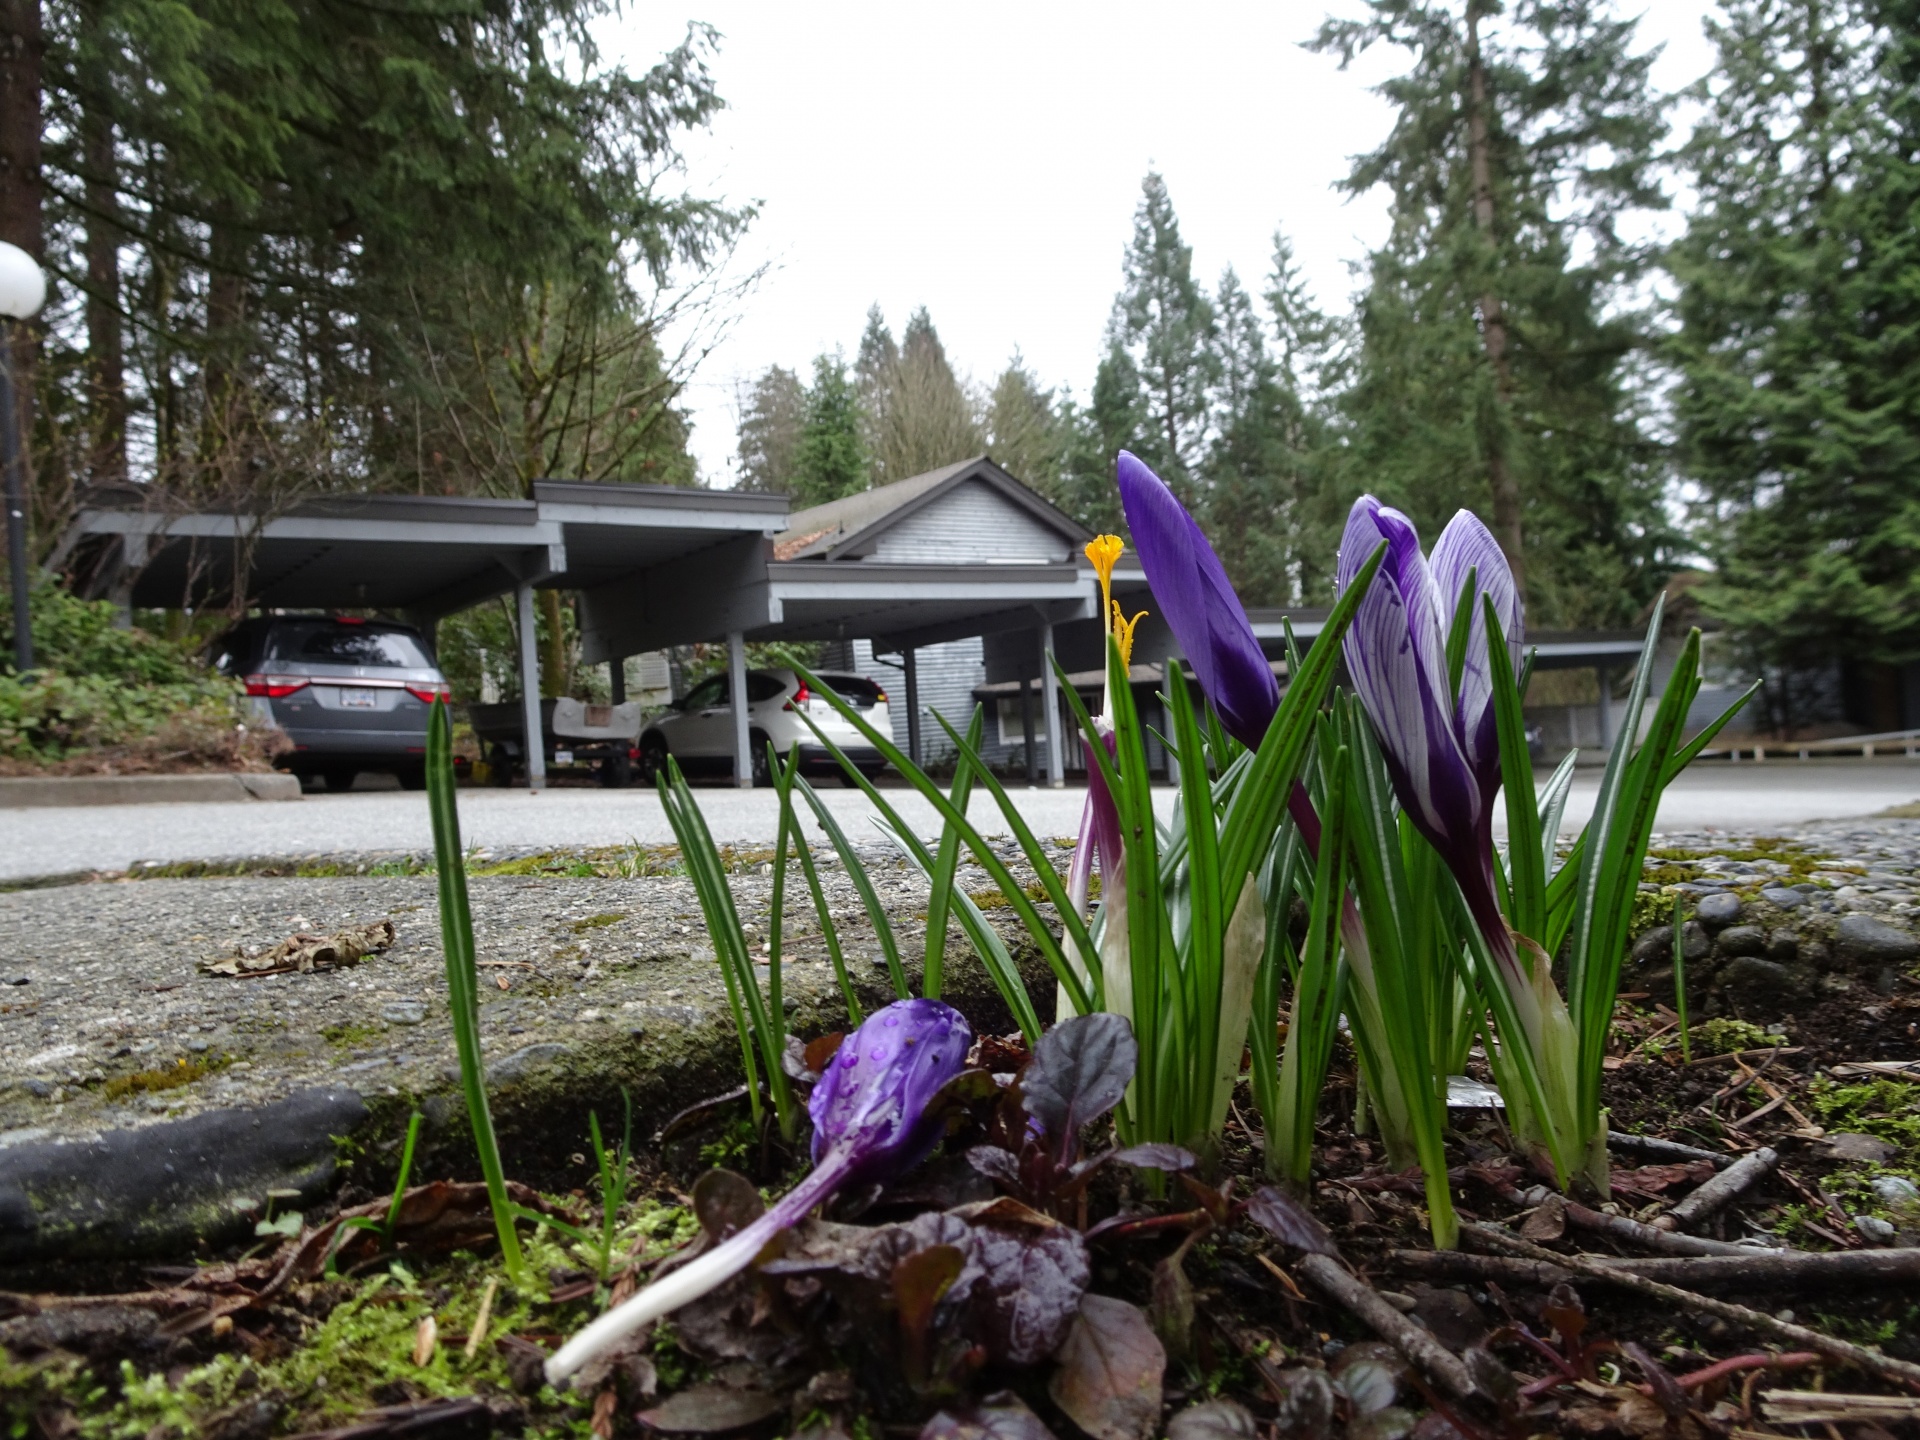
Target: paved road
<point>1716,794</point>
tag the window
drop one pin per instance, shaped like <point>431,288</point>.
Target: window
<point>856,690</point>
<point>1007,711</point>
<point>762,687</point>
<point>332,642</point>
<point>708,694</point>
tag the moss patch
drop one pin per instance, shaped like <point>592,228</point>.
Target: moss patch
<point>596,922</point>
<point>1882,1107</point>
<point>167,1077</point>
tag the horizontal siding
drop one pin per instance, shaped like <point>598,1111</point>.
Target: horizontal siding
<point>972,522</point>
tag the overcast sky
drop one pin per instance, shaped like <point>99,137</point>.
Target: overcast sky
<point>984,160</point>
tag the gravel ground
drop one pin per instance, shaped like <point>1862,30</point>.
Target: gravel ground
<point>1714,794</point>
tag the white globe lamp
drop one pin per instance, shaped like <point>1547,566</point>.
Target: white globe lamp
<point>23,285</point>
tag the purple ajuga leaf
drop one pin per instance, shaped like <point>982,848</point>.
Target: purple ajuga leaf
<point>1289,1221</point>
<point>1466,547</point>
<point>1396,652</point>
<point>873,1118</point>
<point>1079,1071</point>
<point>1198,604</point>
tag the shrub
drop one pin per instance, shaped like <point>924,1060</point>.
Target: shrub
<point>106,698</point>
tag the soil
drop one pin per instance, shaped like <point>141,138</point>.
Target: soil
<point>252,1341</point>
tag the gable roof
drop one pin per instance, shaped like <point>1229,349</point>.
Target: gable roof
<point>835,530</point>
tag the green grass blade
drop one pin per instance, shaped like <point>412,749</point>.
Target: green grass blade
<point>940,881</point>
<point>1526,870</point>
<point>862,884</point>
<point>1045,941</point>
<point>986,941</point>
<point>463,985</point>
<point>829,931</point>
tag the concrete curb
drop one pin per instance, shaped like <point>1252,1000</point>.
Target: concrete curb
<point>37,791</point>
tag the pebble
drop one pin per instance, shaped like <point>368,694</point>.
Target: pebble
<point>1896,1190</point>
<point>1872,1227</point>
<point>404,1012</point>
<point>1718,910</point>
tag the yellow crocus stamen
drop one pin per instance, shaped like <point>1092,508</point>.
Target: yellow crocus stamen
<point>1105,552</point>
<point>1123,629</point>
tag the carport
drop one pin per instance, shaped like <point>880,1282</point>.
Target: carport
<point>420,557</point>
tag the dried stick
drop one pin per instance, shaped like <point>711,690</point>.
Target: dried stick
<point>1631,1231</point>
<point>1433,1359</point>
<point>1793,1268</point>
<point>1719,1190</point>
<point>1863,1356</point>
<point>1651,1147</point>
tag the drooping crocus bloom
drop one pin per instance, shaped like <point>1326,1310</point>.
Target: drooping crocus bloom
<point>871,1121</point>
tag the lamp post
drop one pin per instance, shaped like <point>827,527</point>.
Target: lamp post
<point>23,289</point>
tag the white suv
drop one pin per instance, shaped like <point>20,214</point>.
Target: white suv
<point>698,731</point>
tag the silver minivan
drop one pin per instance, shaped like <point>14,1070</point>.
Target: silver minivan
<point>352,695</point>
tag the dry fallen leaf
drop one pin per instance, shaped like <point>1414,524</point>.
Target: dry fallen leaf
<point>425,1339</point>
<point>1111,1367</point>
<point>302,953</point>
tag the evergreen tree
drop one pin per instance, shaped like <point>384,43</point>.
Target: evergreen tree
<point>1164,323</point>
<point>1798,403</point>
<point>335,245</point>
<point>1496,368</point>
<point>830,461</point>
<point>1024,432</point>
<point>1112,421</point>
<point>876,372</point>
<point>919,416</point>
<point>773,413</point>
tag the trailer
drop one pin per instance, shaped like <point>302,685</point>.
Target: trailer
<point>574,736</point>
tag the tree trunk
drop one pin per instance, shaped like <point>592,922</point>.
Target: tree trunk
<point>554,679</point>
<point>1507,527</point>
<point>221,456</point>
<point>21,46</point>
<point>106,372</point>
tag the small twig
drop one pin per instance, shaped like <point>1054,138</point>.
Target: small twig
<point>1864,1356</point>
<point>1632,1232</point>
<point>1756,1115</point>
<point>1652,1147</point>
<point>1819,1407</point>
<point>1723,1187</point>
<point>1736,1057</point>
<point>1428,1355</point>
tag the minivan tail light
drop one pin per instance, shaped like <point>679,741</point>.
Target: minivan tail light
<point>880,697</point>
<point>800,697</point>
<point>275,686</point>
<point>427,691</point>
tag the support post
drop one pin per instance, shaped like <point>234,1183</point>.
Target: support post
<point>534,742</point>
<point>910,670</point>
<point>1606,705</point>
<point>16,506</point>
<point>617,679</point>
<point>737,694</point>
<point>1026,731</point>
<point>1050,688</point>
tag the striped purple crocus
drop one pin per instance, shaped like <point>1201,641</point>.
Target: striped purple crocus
<point>1443,752</point>
<point>872,1120</point>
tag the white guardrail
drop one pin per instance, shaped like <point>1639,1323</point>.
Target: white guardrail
<point>1890,742</point>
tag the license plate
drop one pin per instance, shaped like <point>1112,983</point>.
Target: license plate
<point>563,757</point>
<point>359,700</point>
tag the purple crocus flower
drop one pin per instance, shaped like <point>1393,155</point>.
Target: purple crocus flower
<point>1199,605</point>
<point>871,1119</point>
<point>1443,753</point>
